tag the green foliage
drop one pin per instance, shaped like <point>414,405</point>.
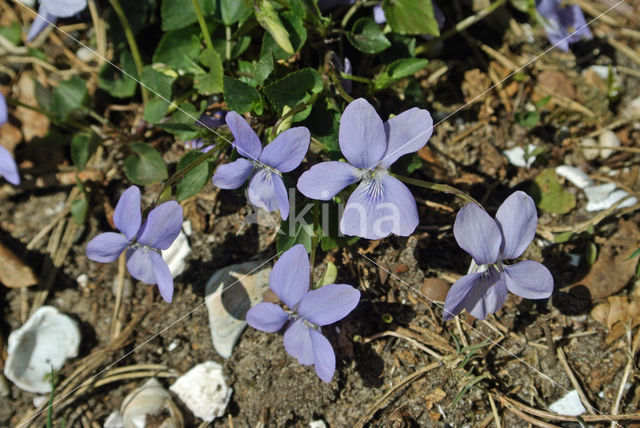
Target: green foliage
<point>397,70</point>
<point>291,235</point>
<point>411,16</point>
<point>549,194</point>
<point>367,36</point>
<point>145,166</point>
<point>69,98</point>
<point>211,81</point>
<point>269,20</point>
<point>241,97</point>
<point>294,89</point>
<point>297,36</point>
<point>196,178</point>
<point>159,84</point>
<point>12,32</point>
<point>116,83</point>
<point>80,206</point>
<point>180,13</point>
<point>82,147</point>
<point>329,277</point>
<point>179,49</point>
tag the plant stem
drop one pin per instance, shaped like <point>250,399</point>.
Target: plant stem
<point>203,24</point>
<point>227,34</point>
<point>437,187</point>
<point>356,78</point>
<point>315,239</point>
<point>133,45</point>
<point>461,26</point>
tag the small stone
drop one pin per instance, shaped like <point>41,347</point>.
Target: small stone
<point>319,423</point>
<point>569,405</point>
<point>204,390</point>
<point>605,195</point>
<point>574,175</point>
<point>608,139</point>
<point>114,420</point>
<point>176,254</point>
<point>435,289</point>
<point>83,280</point>
<point>590,153</point>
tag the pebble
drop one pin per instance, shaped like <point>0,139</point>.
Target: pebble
<point>45,341</point>
<point>569,405</point>
<point>204,390</point>
<point>590,153</point>
<point>176,254</point>
<point>243,286</point>
<point>151,399</point>
<point>574,175</point>
<point>83,280</point>
<point>435,289</point>
<point>608,139</point>
<point>605,195</point>
<point>516,156</point>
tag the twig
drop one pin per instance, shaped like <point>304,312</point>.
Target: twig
<point>385,397</point>
<point>522,415</point>
<point>115,321</point>
<point>574,380</point>
<point>625,376</point>
<point>407,338</point>
<point>494,410</point>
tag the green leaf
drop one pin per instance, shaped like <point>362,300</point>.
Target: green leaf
<point>157,82</point>
<point>211,82</point>
<point>297,36</point>
<point>12,33</point>
<point>563,237</point>
<point>411,16</point>
<point>233,11</point>
<point>182,131</point>
<point>82,147</point>
<point>269,20</point>
<point>289,236</point>
<point>69,97</point>
<point>550,195</point>
<point>528,119</point>
<point>188,113</point>
<point>240,96</point>
<point>397,70</point>
<point>79,210</point>
<point>194,180</point>
<point>367,36</point>
<point>180,13</point>
<point>264,67</point>
<point>330,275</point>
<point>178,49</point>
<point>145,166</point>
<point>293,89</point>
<point>155,110</point>
<point>116,83</point>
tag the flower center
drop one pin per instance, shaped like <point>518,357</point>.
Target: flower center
<point>487,269</point>
<point>372,178</point>
<point>138,246</point>
<point>259,165</point>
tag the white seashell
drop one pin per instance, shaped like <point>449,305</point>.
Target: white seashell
<point>569,405</point>
<point>517,156</point>
<point>590,153</point>
<point>574,175</point>
<point>176,253</point>
<point>608,139</point>
<point>114,420</point>
<point>605,195</point>
<point>150,406</point>
<point>46,340</point>
<point>243,286</point>
<point>319,423</point>
<point>204,390</point>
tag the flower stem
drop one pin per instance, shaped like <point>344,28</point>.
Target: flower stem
<point>461,26</point>
<point>315,238</point>
<point>227,52</point>
<point>203,25</point>
<point>437,187</point>
<point>133,45</point>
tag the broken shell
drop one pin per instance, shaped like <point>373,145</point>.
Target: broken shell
<point>176,254</point>
<point>150,406</point>
<point>43,343</point>
<point>230,293</point>
<point>204,390</point>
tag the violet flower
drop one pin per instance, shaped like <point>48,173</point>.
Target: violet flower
<point>483,290</point>
<point>266,165</point>
<point>381,204</point>
<point>143,243</point>
<point>8,167</point>
<point>49,12</point>
<point>563,25</point>
<point>307,311</point>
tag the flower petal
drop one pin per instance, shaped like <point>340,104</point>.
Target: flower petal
<point>8,167</point>
<point>517,218</point>
<point>106,247</point>
<point>140,266</point>
<point>529,279</point>
<point>267,317</point>
<point>324,359</point>
<point>41,21</point>
<point>267,191</point>
<point>478,234</point>
<point>379,207</point>
<point>286,152</point>
<point>65,8</point>
<point>556,33</point>
<point>408,132</point>
<point>487,296</point>
<point>164,279</point>
<point>246,141</point>
<point>454,303</point>
<point>232,175</point>
<point>328,304</point>
<point>572,19</point>
<point>361,136</point>
<point>324,180</point>
<point>289,278</point>
<point>162,226</point>
<point>297,342</point>
<point>127,216</point>
<point>4,112</point>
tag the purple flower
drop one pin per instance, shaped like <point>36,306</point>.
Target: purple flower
<point>214,120</point>
<point>307,311</point>
<point>381,204</point>
<point>49,12</point>
<point>8,167</point>
<point>489,242</point>
<point>143,243</point>
<point>563,25</point>
<point>266,188</point>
